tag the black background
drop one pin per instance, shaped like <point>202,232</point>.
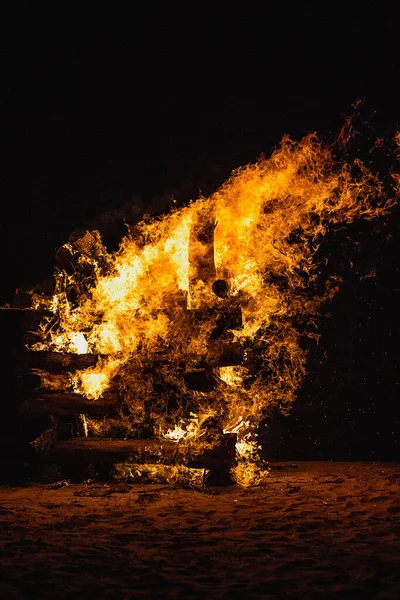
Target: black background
<point>105,106</point>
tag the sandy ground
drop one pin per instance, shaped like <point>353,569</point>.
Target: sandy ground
<point>316,530</point>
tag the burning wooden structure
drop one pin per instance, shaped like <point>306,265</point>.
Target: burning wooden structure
<point>45,386</point>
<point>170,351</point>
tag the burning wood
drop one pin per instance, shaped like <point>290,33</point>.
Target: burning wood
<point>58,362</point>
<point>202,272</point>
<point>28,315</point>
<point>178,475</point>
<point>81,425</point>
<point>134,460</point>
<point>225,354</point>
<point>200,381</point>
<point>43,381</point>
<point>185,320</point>
<point>48,438</point>
<point>97,450</point>
<point>68,404</point>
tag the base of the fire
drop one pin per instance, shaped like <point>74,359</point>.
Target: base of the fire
<point>82,459</point>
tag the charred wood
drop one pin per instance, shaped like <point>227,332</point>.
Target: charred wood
<point>81,425</point>
<point>43,381</point>
<point>98,450</point>
<point>22,299</point>
<point>65,258</point>
<point>225,355</point>
<point>220,287</point>
<point>109,450</point>
<point>32,300</point>
<point>58,362</point>
<point>30,338</point>
<point>48,438</point>
<point>201,251</point>
<point>229,319</point>
<point>184,476</point>
<point>200,381</point>
<point>27,313</point>
<point>89,244</point>
<point>68,404</point>
<point>220,458</point>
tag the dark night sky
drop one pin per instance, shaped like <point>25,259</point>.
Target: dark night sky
<point>101,107</point>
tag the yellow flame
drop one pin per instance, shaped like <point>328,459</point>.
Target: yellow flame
<point>91,384</point>
<point>78,343</point>
<point>177,247</point>
<point>233,376</point>
<point>159,473</point>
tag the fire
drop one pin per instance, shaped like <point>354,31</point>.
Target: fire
<point>91,384</point>
<point>78,343</point>
<point>213,292</point>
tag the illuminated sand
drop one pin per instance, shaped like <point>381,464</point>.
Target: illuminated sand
<point>319,530</point>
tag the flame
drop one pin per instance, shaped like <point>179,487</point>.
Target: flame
<point>232,376</point>
<point>91,384</point>
<point>238,269</point>
<point>78,343</point>
<point>159,473</point>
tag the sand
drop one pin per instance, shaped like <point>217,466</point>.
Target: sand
<point>316,529</point>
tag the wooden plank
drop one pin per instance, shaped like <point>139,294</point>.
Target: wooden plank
<point>113,450</point>
<point>109,450</point>
<point>42,381</point>
<point>68,404</point>
<point>58,362</point>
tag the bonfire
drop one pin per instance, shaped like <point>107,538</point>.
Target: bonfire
<point>173,349</point>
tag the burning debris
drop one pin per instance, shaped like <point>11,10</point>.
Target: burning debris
<point>183,340</point>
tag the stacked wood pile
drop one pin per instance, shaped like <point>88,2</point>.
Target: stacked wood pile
<point>50,419</point>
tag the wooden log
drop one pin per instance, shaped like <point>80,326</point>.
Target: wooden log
<point>27,314</point>
<point>220,458</point>
<point>202,270</point>
<point>230,318</point>
<point>109,450</point>
<point>81,426</point>
<point>220,287</point>
<point>101,450</point>
<point>48,438</point>
<point>172,474</point>
<point>225,355</point>
<point>58,362</point>
<point>43,381</point>
<point>200,381</point>
<point>22,299</point>
<point>68,404</point>
<point>33,300</point>
<point>64,257</point>
<point>30,338</point>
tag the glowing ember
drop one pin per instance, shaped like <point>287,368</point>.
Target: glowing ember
<point>196,316</point>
